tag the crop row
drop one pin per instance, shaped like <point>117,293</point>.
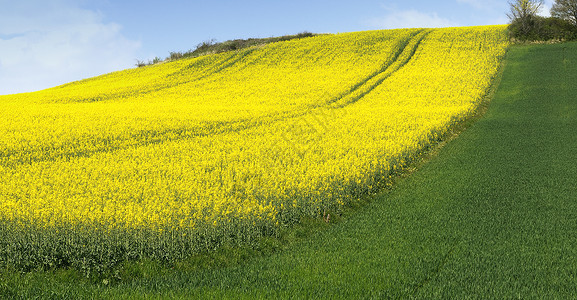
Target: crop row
<point>184,156</point>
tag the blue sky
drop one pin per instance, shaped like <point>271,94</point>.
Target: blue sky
<point>44,43</point>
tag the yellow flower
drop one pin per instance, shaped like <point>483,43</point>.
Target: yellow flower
<point>293,127</point>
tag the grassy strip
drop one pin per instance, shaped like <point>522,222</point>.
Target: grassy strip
<point>491,216</point>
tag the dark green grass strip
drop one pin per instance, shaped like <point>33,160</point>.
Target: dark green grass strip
<point>493,215</point>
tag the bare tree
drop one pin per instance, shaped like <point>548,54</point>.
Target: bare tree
<point>565,9</point>
<point>523,12</point>
<point>522,9</point>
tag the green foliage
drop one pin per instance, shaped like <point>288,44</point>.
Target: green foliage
<point>566,10</point>
<point>523,11</point>
<point>96,251</point>
<point>526,25</point>
<point>537,28</point>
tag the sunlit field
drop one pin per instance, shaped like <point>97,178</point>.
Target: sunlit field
<point>185,156</point>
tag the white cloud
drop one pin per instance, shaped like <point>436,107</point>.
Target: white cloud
<point>546,10</point>
<point>47,43</point>
<point>409,19</point>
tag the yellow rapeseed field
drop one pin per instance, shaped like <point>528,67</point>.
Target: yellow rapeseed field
<point>187,154</point>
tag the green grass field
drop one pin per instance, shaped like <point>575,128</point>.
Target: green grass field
<point>493,214</point>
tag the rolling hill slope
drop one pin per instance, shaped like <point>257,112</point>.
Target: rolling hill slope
<point>183,157</point>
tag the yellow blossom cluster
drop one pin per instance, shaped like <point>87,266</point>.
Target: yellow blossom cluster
<point>265,134</point>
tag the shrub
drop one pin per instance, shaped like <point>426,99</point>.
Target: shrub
<point>212,46</point>
<point>538,28</point>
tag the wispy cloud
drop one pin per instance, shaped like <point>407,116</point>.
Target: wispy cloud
<point>47,43</point>
<point>395,18</point>
<point>546,11</point>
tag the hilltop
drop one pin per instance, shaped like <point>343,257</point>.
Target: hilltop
<point>214,47</point>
